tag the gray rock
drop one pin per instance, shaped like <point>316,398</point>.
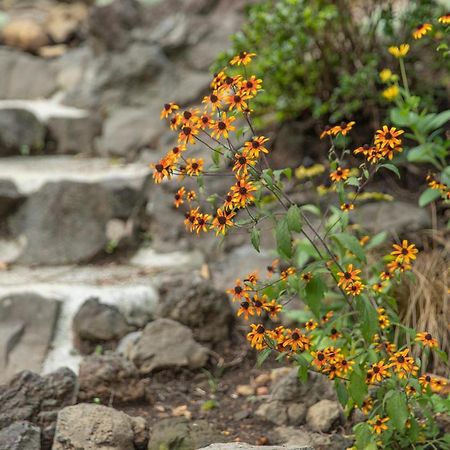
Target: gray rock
<point>274,411</point>
<point>64,222</point>
<point>180,434</point>
<point>109,25</point>
<point>395,217</point>
<point>109,376</point>
<point>127,130</point>
<point>30,397</point>
<point>192,301</point>
<point>165,343</point>
<point>298,437</point>
<point>27,323</point>
<point>20,131</point>
<point>20,436</point>
<point>74,135</point>
<point>244,446</point>
<point>324,416</point>
<point>98,324</point>
<point>10,198</point>
<point>90,427</point>
<point>25,76</point>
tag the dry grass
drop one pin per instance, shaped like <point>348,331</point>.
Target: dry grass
<point>424,299</point>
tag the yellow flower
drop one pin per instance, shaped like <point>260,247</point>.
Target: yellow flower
<point>379,424</point>
<point>385,75</point>
<point>243,58</point>
<point>391,92</point>
<point>400,51</point>
<point>445,19</point>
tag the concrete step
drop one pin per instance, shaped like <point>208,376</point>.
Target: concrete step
<point>44,331</point>
<point>58,209</point>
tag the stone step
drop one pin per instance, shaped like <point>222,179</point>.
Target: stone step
<point>58,209</point>
<point>39,337</point>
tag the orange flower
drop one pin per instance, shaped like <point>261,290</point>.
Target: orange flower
<point>190,218</point>
<point>168,109</point>
<point>194,167</point>
<point>349,276</point>
<point>222,221</point>
<point>256,146</point>
<point>239,291</point>
<point>251,86</point>
<point>218,79</point>
<point>175,122</point>
<point>162,169</point>
<point>187,135</point>
<point>378,372</point>
<point>273,308</point>
<point>343,128</point>
<point>445,19</point>
<point>354,288</point>
<point>242,192</point>
<point>178,197</point>
<point>339,174</point>
<point>256,336</point>
<point>326,131</point>
<point>405,252</point>
<point>246,309</point>
<point>202,222</point>
<point>213,100</point>
<point>243,58</point>
<point>238,101</point>
<point>297,339</point>
<point>189,118</point>
<point>223,126</point>
<point>388,137</point>
<point>421,30</point>
<point>242,163</point>
<point>379,424</point>
<point>347,207</point>
<point>426,339</point>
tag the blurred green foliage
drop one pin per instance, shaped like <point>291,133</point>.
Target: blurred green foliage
<point>323,56</point>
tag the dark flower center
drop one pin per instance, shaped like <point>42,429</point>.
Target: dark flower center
<point>237,99</point>
<point>343,125</point>
<point>339,172</point>
<point>187,130</point>
<point>404,251</point>
<point>260,329</point>
<point>228,198</point>
<point>175,150</point>
<point>249,84</point>
<point>242,55</point>
<point>320,357</point>
<point>159,167</point>
<point>194,165</point>
<point>167,106</point>
<point>222,125</point>
<point>257,303</point>
<point>347,275</point>
<point>237,289</point>
<point>428,378</point>
<point>242,160</point>
<point>213,98</point>
<point>205,119</point>
<point>245,305</point>
<point>295,336</point>
<point>187,115</point>
<point>222,220</point>
<point>177,196</point>
<point>376,369</point>
<point>255,144</point>
<point>388,136</point>
<point>242,190</point>
<point>428,337</point>
<point>228,80</point>
<point>366,146</point>
<point>401,359</point>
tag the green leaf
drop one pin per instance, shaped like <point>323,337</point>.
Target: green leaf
<point>314,293</point>
<point>216,157</point>
<point>352,181</point>
<point>428,196</point>
<point>357,387</point>
<point>390,167</point>
<point>256,238</point>
<point>313,209</point>
<point>294,219</point>
<point>378,239</point>
<point>283,238</point>
<point>369,319</point>
<point>341,392</point>
<point>349,242</point>
<point>397,409</point>
<point>363,435</point>
<point>438,120</point>
<point>262,356</point>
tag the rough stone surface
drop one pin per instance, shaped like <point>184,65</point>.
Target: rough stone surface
<point>90,427</point>
<point>290,398</point>
<point>324,416</point>
<point>98,324</point>
<point>293,436</point>
<point>74,135</point>
<point>25,76</point>
<point>64,222</point>
<point>37,400</point>
<point>10,198</point>
<point>27,323</point>
<point>20,436</point>
<point>109,376</point>
<point>180,434</point>
<point>395,217</point>
<point>244,446</point>
<point>20,131</point>
<point>165,343</point>
<point>192,301</point>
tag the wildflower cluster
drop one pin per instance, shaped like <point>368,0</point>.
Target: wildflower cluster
<point>349,329</point>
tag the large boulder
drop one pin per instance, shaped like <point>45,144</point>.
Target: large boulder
<point>91,427</point>
<point>27,324</point>
<point>64,222</point>
<point>177,433</point>
<point>165,343</point>
<point>109,376</point>
<point>324,416</point>
<point>20,132</point>
<point>30,397</point>
<point>10,198</point>
<point>96,323</point>
<point>194,302</point>
<point>20,436</point>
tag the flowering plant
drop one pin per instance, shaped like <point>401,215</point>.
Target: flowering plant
<point>349,330</point>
